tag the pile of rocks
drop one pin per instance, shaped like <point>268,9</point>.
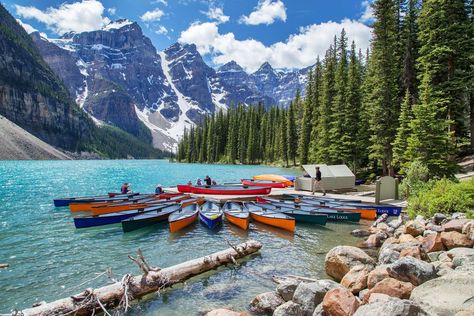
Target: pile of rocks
<point>423,267</point>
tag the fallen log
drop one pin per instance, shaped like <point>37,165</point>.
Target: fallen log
<point>131,287</point>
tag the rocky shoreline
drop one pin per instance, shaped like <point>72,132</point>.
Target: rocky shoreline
<point>419,267</point>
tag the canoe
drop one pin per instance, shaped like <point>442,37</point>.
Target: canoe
<point>184,188</point>
<point>332,214</point>
<point>319,198</point>
<point>273,177</point>
<point>61,202</point>
<point>297,214</point>
<point>236,215</point>
<point>148,219</point>
<point>84,207</point>
<point>365,213</point>
<point>210,214</point>
<point>380,209</point>
<point>183,217</point>
<point>127,206</point>
<point>263,183</point>
<point>113,218</point>
<point>230,190</point>
<point>270,217</point>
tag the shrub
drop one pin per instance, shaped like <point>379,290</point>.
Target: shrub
<point>416,180</point>
<point>443,196</point>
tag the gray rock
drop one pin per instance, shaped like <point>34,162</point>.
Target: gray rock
<point>310,295</point>
<point>388,255</point>
<point>461,256</point>
<point>442,268</point>
<point>428,232</point>
<point>468,267</point>
<point>362,293</point>
<point>446,295</point>
<point>435,228</point>
<point>439,218</point>
<point>319,310</point>
<point>266,302</point>
<point>389,306</point>
<point>287,289</point>
<point>399,231</point>
<point>458,216</point>
<point>412,270</point>
<point>360,233</point>
<point>395,223</point>
<point>434,256</point>
<point>288,309</point>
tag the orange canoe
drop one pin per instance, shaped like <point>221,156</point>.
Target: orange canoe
<point>184,217</point>
<point>127,206</point>
<point>85,207</point>
<point>274,177</point>
<point>271,217</point>
<point>236,215</point>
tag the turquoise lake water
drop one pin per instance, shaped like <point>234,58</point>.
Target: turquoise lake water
<point>49,258</point>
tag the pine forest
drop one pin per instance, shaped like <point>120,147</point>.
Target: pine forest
<point>410,97</point>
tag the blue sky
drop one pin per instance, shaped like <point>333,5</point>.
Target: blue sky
<point>286,33</point>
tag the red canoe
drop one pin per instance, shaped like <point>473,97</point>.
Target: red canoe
<point>263,183</point>
<point>184,188</point>
<point>225,189</point>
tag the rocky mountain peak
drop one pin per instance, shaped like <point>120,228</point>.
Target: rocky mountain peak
<point>265,68</point>
<point>231,66</point>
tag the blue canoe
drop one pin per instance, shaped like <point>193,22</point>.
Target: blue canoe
<point>210,214</point>
<point>113,218</point>
<point>61,202</point>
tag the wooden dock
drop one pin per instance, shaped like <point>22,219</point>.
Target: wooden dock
<point>281,191</point>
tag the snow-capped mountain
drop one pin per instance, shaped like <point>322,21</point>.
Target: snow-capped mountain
<point>119,77</point>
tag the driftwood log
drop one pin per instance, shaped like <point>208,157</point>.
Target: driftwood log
<point>131,287</point>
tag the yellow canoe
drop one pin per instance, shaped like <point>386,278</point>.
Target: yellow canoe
<point>273,177</point>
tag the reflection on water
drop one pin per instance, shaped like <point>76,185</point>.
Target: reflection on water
<point>48,257</point>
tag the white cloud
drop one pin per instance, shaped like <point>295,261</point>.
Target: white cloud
<point>299,50</point>
<point>161,30</point>
<point>152,16</point>
<point>217,14</point>
<point>266,12</point>
<point>112,11</point>
<point>163,2</point>
<point>368,13</point>
<point>77,16</point>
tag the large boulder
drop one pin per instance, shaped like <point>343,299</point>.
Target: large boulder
<point>310,295</point>
<point>455,225</point>
<point>340,302</point>
<point>266,302</point>
<point>414,228</point>
<point>454,239</point>
<point>412,270</point>
<point>432,243</point>
<point>356,279</point>
<point>377,275</point>
<point>388,255</point>
<point>375,240</point>
<point>287,288</point>
<point>446,295</point>
<point>288,309</point>
<point>341,259</point>
<point>389,306</point>
<point>391,287</point>
<point>413,251</point>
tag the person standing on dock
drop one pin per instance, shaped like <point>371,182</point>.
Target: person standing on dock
<point>317,182</point>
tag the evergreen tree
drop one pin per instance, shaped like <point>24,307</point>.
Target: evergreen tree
<point>305,133</point>
<point>446,42</point>
<point>315,106</point>
<point>292,138</point>
<point>403,131</point>
<point>325,109</point>
<point>339,138</point>
<point>410,49</point>
<point>283,144</point>
<point>430,140</point>
<point>382,98</point>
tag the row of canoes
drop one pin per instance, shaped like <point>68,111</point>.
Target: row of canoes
<point>225,189</point>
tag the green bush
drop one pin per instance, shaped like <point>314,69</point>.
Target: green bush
<point>416,180</point>
<point>443,196</point>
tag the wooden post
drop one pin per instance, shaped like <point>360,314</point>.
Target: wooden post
<point>132,287</point>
